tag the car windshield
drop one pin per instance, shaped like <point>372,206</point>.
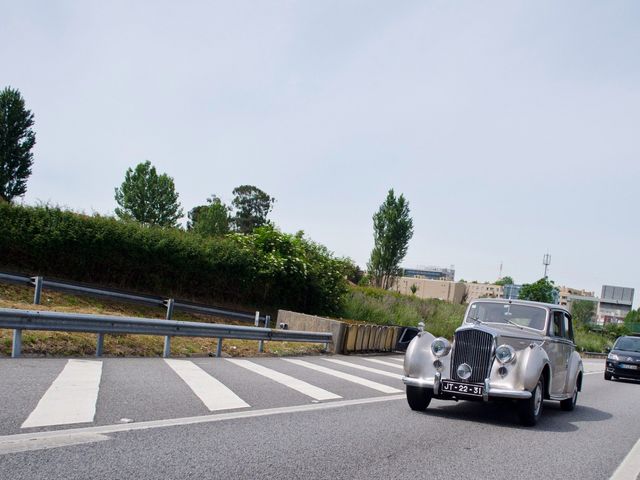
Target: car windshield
<point>628,344</point>
<point>521,315</point>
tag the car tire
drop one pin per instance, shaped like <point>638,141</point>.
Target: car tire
<point>570,403</point>
<point>530,410</point>
<point>607,376</point>
<point>418,398</point>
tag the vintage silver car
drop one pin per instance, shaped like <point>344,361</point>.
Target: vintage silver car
<point>505,349</point>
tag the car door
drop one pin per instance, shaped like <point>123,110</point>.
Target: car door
<point>569,347</point>
<point>557,352</point>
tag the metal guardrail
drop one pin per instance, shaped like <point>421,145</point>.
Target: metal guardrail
<point>41,283</point>
<point>20,320</point>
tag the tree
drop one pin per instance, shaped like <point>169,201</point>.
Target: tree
<point>540,291</point>
<point>148,198</point>
<point>504,281</point>
<point>16,141</point>
<point>252,206</point>
<point>392,230</point>
<point>632,317</point>
<point>211,219</point>
<point>583,312</point>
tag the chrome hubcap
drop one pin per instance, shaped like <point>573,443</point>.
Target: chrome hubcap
<point>538,399</point>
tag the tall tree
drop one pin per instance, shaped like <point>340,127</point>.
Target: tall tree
<point>392,230</point>
<point>148,198</point>
<point>583,312</point>
<point>504,281</point>
<point>540,291</point>
<point>252,206</point>
<point>16,141</point>
<point>211,219</point>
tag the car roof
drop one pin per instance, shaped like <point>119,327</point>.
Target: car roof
<point>521,302</point>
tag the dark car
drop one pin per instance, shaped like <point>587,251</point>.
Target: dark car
<point>624,359</point>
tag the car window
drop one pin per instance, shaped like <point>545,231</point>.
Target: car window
<point>556,324</point>
<point>568,328</point>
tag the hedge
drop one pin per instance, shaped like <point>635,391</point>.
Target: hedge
<point>266,268</point>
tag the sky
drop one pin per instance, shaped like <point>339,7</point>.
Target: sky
<point>511,127</point>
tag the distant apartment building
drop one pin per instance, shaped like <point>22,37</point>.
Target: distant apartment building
<point>444,290</point>
<point>430,273</point>
<point>483,290</point>
<point>615,303</point>
<point>567,294</point>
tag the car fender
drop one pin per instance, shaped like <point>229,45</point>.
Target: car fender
<point>535,360</point>
<point>418,360</point>
<point>575,369</point>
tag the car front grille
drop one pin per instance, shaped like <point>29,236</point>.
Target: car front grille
<point>474,348</point>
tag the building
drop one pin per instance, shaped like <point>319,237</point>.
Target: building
<point>567,294</point>
<point>444,290</point>
<point>430,273</point>
<point>614,305</point>
<point>483,290</point>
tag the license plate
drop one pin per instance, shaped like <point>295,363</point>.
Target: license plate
<point>462,388</point>
<point>630,367</point>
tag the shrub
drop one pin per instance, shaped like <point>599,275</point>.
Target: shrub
<point>267,268</point>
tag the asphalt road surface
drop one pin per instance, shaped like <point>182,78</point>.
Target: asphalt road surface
<point>309,417</point>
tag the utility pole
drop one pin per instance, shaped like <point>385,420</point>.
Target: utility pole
<point>546,261</point>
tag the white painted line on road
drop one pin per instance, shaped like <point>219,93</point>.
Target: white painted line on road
<point>54,442</point>
<point>305,388</point>
<point>10,441</point>
<point>629,469</point>
<point>365,369</point>
<point>213,393</point>
<point>345,376</point>
<point>397,359</point>
<point>71,398</point>
<point>383,362</point>
<point>594,373</point>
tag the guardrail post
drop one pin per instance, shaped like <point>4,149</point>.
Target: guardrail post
<point>267,320</point>
<point>219,348</point>
<point>37,282</point>
<point>100,345</point>
<point>17,343</point>
<point>166,353</point>
<point>170,303</point>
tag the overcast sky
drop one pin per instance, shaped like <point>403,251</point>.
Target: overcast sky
<point>512,128</point>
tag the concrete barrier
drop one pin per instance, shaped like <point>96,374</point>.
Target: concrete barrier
<point>346,337</point>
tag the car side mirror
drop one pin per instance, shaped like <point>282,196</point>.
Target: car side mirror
<point>607,349</point>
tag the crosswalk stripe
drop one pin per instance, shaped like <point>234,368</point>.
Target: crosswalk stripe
<point>305,388</point>
<point>213,393</point>
<point>365,369</point>
<point>383,362</point>
<point>397,359</point>
<point>71,398</point>
<point>345,376</point>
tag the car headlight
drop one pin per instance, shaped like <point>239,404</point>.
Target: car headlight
<point>440,347</point>
<point>505,354</point>
<point>613,356</point>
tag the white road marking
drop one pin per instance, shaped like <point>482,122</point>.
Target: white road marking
<point>32,444</point>
<point>365,369</point>
<point>305,388</point>
<point>345,376</point>
<point>593,373</point>
<point>71,398</point>
<point>382,362</point>
<point>397,359</point>
<point>9,442</point>
<point>213,393</point>
<point>629,469</point>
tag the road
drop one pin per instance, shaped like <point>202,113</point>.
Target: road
<point>309,417</point>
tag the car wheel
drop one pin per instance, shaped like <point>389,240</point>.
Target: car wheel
<point>607,376</point>
<point>531,408</point>
<point>570,403</point>
<point>418,398</point>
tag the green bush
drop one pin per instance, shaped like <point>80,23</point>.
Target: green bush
<point>267,268</point>
<point>383,307</point>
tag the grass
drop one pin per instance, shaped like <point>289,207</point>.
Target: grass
<point>84,344</point>
<point>441,319</point>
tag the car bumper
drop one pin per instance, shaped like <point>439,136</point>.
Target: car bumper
<point>433,383</point>
<point>614,368</point>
